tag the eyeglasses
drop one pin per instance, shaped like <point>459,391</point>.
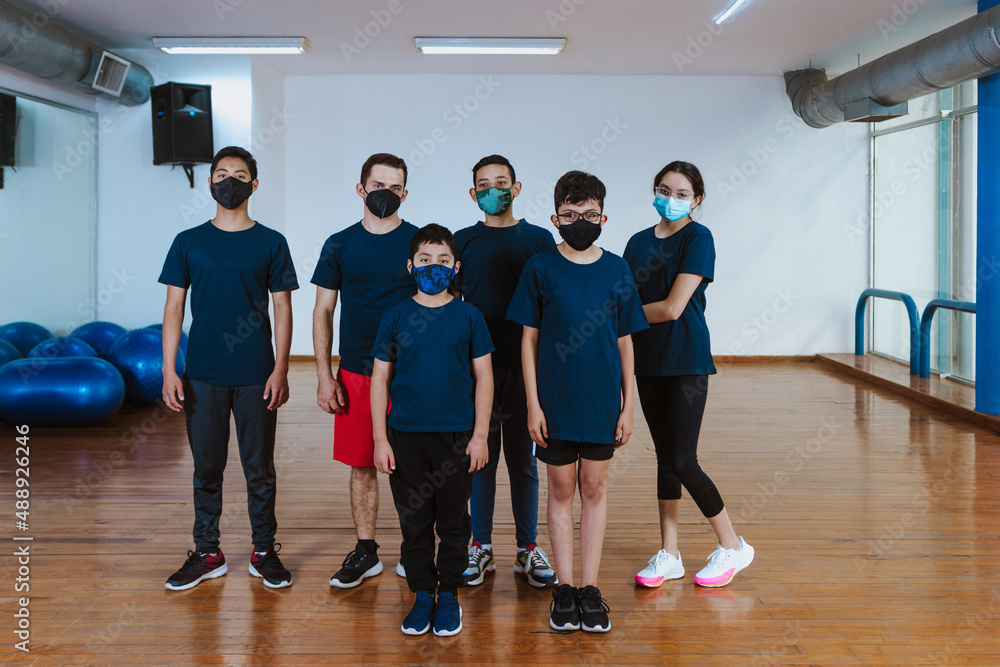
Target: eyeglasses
<point>667,194</point>
<point>573,216</point>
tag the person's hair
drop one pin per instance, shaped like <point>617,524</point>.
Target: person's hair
<point>577,187</point>
<point>388,160</point>
<point>237,152</point>
<point>688,171</point>
<point>493,159</point>
<point>435,234</point>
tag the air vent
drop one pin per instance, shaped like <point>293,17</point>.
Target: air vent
<point>111,72</point>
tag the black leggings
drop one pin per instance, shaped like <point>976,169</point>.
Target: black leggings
<point>673,407</point>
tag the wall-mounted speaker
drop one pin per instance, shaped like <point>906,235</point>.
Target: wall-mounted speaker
<point>8,129</point>
<point>182,123</point>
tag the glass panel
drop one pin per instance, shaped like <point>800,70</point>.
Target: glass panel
<point>47,218</point>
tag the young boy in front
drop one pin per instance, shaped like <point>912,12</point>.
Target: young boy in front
<point>579,306</point>
<point>432,353</point>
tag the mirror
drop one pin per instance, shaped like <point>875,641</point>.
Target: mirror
<point>48,216</point>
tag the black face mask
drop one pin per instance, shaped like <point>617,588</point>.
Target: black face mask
<point>581,234</point>
<point>231,192</point>
<point>382,203</point>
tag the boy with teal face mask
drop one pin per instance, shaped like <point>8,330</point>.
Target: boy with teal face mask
<point>434,351</point>
<point>493,254</point>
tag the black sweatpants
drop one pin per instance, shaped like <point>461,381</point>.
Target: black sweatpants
<point>206,411</point>
<point>430,488</point>
<point>674,407</point>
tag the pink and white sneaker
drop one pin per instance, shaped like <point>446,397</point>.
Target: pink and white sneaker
<point>723,564</point>
<point>661,567</point>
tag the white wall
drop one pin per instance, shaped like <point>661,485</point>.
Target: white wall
<point>779,193</point>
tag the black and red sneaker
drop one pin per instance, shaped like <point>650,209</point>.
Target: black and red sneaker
<point>268,567</point>
<point>198,567</point>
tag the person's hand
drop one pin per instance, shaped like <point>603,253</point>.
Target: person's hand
<point>537,427</point>
<point>173,390</point>
<point>623,429</point>
<point>385,460</point>
<point>276,389</point>
<point>479,453</point>
<point>331,396</point>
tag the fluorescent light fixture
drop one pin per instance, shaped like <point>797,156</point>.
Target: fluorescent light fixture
<point>490,46</point>
<point>231,45</point>
<point>729,12</point>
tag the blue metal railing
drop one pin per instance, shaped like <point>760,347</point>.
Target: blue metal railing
<point>911,312</point>
<point>925,328</point>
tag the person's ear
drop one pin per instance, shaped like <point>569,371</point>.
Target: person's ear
<point>409,266</point>
<point>254,183</point>
<point>360,189</point>
<point>515,189</point>
<point>472,194</point>
<point>458,265</point>
<point>402,197</point>
<point>603,219</point>
<point>555,221</point>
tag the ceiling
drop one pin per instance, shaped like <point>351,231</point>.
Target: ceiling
<point>764,37</point>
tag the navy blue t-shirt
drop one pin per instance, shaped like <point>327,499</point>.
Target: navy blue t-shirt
<point>230,274</point>
<point>432,389</point>
<point>681,347</point>
<point>492,260</point>
<point>580,310</point>
<point>370,272</point>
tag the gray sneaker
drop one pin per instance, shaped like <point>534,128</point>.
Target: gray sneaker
<point>480,563</point>
<point>534,565</point>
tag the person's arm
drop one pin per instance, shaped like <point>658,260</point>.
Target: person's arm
<point>329,393</point>
<point>537,427</point>
<point>482,373</point>
<point>276,388</point>
<point>173,322</point>
<point>623,429</point>
<point>671,308</point>
<point>385,460</point>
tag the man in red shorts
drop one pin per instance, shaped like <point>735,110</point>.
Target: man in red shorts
<point>365,265</point>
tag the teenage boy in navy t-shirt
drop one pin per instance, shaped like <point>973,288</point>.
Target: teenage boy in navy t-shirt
<point>493,254</point>
<point>365,266</point>
<point>432,354</point>
<point>579,306</point>
<point>230,263</point>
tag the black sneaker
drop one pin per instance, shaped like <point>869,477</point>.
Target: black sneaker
<point>593,610</point>
<point>269,568</point>
<point>197,568</point>
<point>564,613</point>
<point>358,566</point>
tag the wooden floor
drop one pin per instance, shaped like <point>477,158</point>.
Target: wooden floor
<point>875,522</point>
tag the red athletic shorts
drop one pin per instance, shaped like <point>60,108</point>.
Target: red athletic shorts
<point>353,442</point>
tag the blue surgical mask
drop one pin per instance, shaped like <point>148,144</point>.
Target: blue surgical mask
<point>433,278</point>
<point>672,209</point>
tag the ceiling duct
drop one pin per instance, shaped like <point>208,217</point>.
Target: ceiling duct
<point>31,43</point>
<point>879,90</point>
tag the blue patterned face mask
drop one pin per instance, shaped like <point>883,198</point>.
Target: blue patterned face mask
<point>494,201</point>
<point>433,278</point>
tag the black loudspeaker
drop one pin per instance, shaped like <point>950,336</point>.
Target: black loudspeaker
<point>8,129</point>
<point>182,123</point>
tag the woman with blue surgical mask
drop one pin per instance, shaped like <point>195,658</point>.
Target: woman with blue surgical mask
<point>673,262</point>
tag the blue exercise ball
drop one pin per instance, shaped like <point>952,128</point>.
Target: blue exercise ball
<point>139,356</point>
<point>100,335</point>
<point>184,337</point>
<point>71,391</point>
<point>8,352</point>
<point>24,335</point>
<point>62,346</point>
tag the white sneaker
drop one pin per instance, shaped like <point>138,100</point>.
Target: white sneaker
<point>400,571</point>
<point>723,564</point>
<point>661,567</point>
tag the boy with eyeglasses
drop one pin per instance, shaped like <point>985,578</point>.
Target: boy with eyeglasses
<point>493,254</point>
<point>579,306</point>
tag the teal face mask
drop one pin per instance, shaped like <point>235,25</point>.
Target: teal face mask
<point>672,209</point>
<point>494,201</point>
